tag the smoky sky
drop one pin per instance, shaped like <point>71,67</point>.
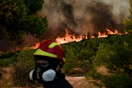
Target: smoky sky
<point>101,16</point>
<point>82,16</point>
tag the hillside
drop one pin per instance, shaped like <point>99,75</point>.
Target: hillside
<point>103,59</point>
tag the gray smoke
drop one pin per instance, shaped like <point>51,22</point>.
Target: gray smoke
<point>29,40</point>
<point>101,16</point>
<point>6,46</point>
<point>82,16</point>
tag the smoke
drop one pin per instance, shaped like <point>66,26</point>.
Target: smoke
<point>82,16</point>
<point>5,46</point>
<point>120,9</point>
<point>29,40</point>
<point>101,16</point>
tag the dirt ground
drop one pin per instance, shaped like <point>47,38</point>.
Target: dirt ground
<point>76,82</point>
<point>81,82</point>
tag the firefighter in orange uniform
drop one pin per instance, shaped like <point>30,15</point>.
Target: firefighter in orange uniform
<point>49,59</point>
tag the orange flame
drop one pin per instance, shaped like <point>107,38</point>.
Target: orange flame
<point>17,48</point>
<point>109,33</point>
<point>36,46</point>
<point>70,38</point>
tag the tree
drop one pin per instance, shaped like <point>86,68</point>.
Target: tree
<point>128,24</point>
<point>11,11</point>
<point>84,37</point>
<point>95,35</point>
<point>36,25</point>
<point>88,35</point>
<point>17,17</point>
<point>117,59</point>
<point>33,5</point>
<point>128,21</point>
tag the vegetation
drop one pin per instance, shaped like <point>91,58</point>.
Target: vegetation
<point>18,17</point>
<point>113,52</point>
<point>21,63</point>
<point>6,59</point>
<point>21,69</point>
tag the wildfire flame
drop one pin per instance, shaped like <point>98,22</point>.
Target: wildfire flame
<point>36,46</point>
<point>70,37</point>
<point>17,48</point>
<point>109,33</point>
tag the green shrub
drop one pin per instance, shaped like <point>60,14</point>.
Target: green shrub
<point>117,80</point>
<point>114,52</point>
<point>85,54</point>
<point>20,73</point>
<point>86,65</point>
<point>71,61</point>
<point>7,55</point>
<point>7,61</point>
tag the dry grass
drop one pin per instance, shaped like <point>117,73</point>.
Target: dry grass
<point>5,81</point>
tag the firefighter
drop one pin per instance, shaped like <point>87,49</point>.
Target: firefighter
<point>49,59</point>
